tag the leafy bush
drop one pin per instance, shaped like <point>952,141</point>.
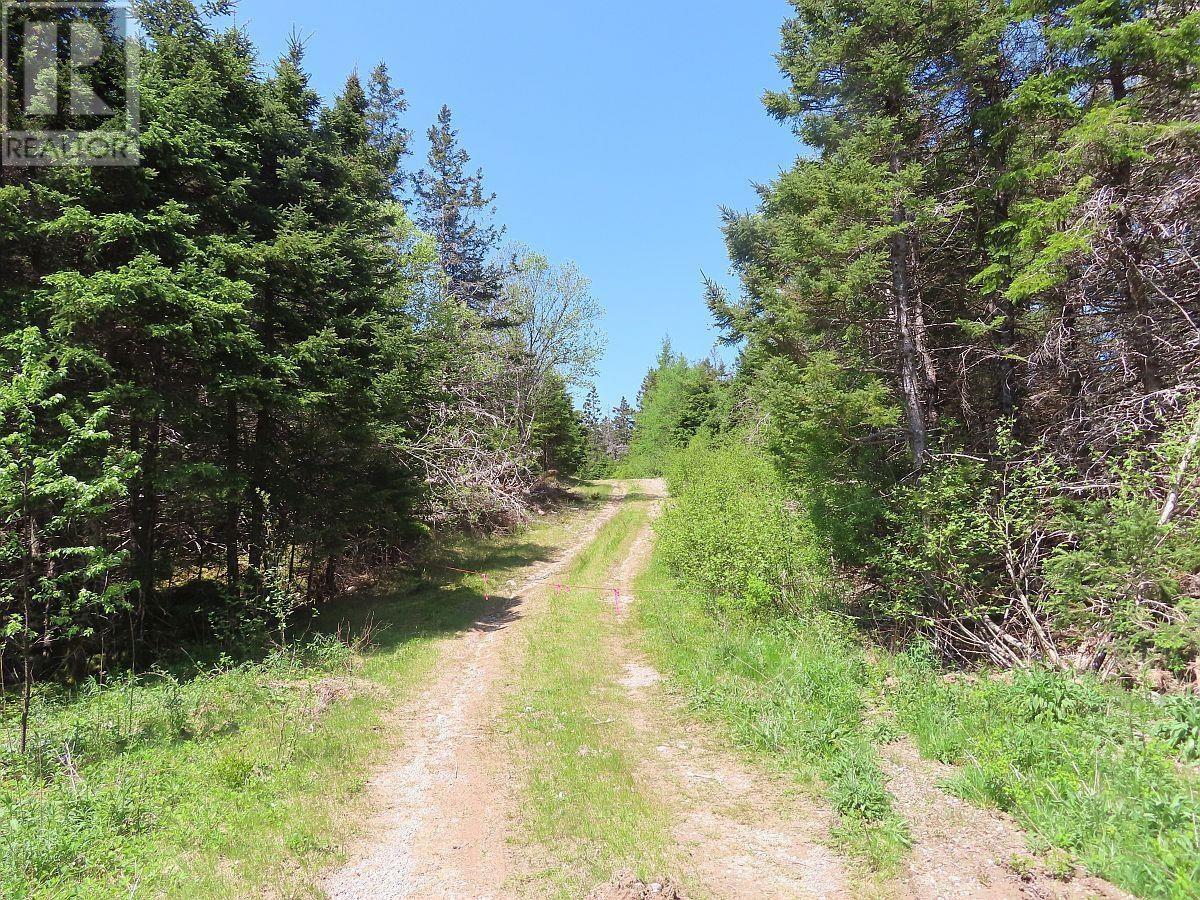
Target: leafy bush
<point>732,531</point>
<point>1043,696</point>
<point>858,787</point>
<point>1121,572</point>
<point>1180,726</point>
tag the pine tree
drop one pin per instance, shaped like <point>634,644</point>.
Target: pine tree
<point>591,409</point>
<point>60,475</point>
<point>453,208</point>
<point>622,428</point>
<point>386,106</point>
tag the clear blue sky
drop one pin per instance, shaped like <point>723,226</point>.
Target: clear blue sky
<point>612,132</point>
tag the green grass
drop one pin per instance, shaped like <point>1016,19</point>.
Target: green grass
<point>790,691</point>
<point>1091,770</point>
<point>239,777</point>
<point>1088,768</point>
<point>586,816</point>
<point>1096,773</point>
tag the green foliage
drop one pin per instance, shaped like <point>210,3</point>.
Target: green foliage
<point>1122,571</point>
<point>1088,768</point>
<point>732,532</point>
<point>558,434</point>
<point>677,401</point>
<point>819,412</point>
<point>962,410</point>
<point>59,473</point>
<point>242,364</point>
<point>1045,696</point>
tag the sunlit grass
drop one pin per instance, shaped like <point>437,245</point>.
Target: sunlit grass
<point>1083,765</point>
<point>789,691</point>
<point>585,814</point>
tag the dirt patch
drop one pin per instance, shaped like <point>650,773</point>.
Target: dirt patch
<point>639,676</point>
<point>960,850</point>
<point>327,692</point>
<point>627,886</point>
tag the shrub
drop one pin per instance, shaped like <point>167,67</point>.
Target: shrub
<point>732,531</point>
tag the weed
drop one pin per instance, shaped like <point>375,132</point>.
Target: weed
<point>1180,726</point>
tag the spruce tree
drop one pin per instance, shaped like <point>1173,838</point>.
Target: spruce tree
<point>453,208</point>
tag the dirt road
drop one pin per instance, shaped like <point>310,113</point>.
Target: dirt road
<point>441,825</point>
<point>742,832</point>
<point>447,806</point>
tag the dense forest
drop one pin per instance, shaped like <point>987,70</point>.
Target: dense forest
<point>269,358</point>
<point>968,334</point>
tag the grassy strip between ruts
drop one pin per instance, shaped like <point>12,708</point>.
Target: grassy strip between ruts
<point>240,776</point>
<point>586,816</point>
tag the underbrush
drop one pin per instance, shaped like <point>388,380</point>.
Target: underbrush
<point>229,778</point>
<point>729,532</point>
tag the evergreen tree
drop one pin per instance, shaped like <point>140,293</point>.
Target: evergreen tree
<point>453,208</point>
<point>622,428</point>
<point>975,281</point>
<point>559,435</point>
<point>591,409</point>
<point>388,137</point>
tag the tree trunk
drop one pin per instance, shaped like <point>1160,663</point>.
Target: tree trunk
<point>1177,485</point>
<point>146,551</point>
<point>909,357</point>
<point>909,325</point>
<point>233,509</point>
<point>258,512</point>
<point>1140,331</point>
<point>27,579</point>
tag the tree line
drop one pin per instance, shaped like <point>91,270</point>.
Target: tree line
<point>265,360</point>
<point>969,323</point>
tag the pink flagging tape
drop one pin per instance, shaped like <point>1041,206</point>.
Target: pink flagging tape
<point>560,586</point>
